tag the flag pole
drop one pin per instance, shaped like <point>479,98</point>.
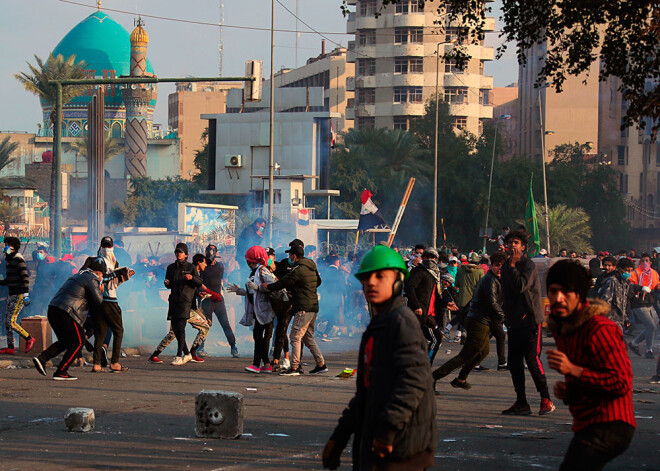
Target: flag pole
<point>399,214</point>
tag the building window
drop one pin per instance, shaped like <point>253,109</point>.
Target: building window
<point>416,65</point>
<point>366,37</point>
<point>415,7</point>
<point>366,123</point>
<point>402,6</point>
<point>400,35</point>
<point>408,6</point>
<point>482,66</point>
<point>621,182</point>
<point>401,122</point>
<point>408,94</point>
<point>481,126</point>
<point>460,122</point>
<point>625,183</point>
<point>417,35</point>
<point>415,95</point>
<point>366,96</point>
<point>456,96</point>
<point>484,97</point>
<point>400,65</point>
<point>451,68</point>
<point>621,155</point>
<point>366,67</point>
<point>367,7</point>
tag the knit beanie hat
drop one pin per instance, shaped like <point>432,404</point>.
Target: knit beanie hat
<point>181,247</point>
<point>571,275</point>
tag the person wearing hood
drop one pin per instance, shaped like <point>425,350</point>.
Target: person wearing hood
<point>423,289</point>
<point>183,280</point>
<point>645,284</point>
<point>18,283</point>
<point>67,313</point>
<point>392,416</point>
<point>598,380</point>
<point>615,290</point>
<point>212,278</point>
<point>302,282</point>
<point>109,315</point>
<point>258,309</point>
<point>467,278</point>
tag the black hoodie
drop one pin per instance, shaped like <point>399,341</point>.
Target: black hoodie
<point>302,282</point>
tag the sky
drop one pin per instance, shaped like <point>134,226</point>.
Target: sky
<point>178,49</point>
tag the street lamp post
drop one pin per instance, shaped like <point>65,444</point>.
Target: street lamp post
<point>490,180</point>
<point>545,184</point>
<point>435,148</point>
<point>271,149</point>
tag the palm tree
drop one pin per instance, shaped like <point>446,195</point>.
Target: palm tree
<point>111,147</point>
<point>36,81</point>
<point>8,214</point>
<point>569,228</point>
<point>6,149</point>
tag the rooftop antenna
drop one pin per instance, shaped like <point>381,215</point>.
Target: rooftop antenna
<point>297,33</point>
<point>221,45</point>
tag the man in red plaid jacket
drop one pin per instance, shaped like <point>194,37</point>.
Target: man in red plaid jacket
<point>592,355</point>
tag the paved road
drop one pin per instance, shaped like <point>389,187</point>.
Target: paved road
<point>145,420</point>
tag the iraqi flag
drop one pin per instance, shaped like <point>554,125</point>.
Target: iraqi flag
<point>370,217</point>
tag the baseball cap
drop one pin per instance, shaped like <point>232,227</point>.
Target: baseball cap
<point>296,250</point>
<point>107,242</point>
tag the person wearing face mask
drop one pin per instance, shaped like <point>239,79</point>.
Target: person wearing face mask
<point>18,282</point>
<point>67,313</point>
<point>615,290</point>
<point>645,284</point>
<point>250,236</point>
<point>302,282</point>
<point>392,416</point>
<point>107,319</point>
<point>212,279</point>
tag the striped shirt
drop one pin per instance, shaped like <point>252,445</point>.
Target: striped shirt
<point>603,393</point>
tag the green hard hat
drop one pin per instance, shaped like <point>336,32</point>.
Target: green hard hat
<point>380,258</point>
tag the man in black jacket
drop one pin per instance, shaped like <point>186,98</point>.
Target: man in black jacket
<point>67,312</point>
<point>393,414</point>
<point>421,289</point>
<point>302,282</point>
<point>485,309</point>
<point>183,279</point>
<point>18,282</point>
<point>523,315</point>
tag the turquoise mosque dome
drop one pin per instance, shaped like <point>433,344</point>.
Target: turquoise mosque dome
<point>104,45</point>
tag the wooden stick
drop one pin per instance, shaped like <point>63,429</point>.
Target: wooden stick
<point>399,214</point>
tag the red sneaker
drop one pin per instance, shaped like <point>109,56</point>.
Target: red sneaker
<point>196,359</point>
<point>8,351</point>
<point>546,407</point>
<point>154,359</point>
<point>30,343</point>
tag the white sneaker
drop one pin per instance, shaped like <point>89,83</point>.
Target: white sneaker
<point>178,361</point>
<point>286,364</point>
<point>187,358</point>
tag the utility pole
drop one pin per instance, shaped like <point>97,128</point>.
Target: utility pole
<point>271,159</point>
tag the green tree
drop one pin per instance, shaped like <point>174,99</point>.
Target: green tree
<point>36,81</point>
<point>201,160</point>
<point>7,148</point>
<point>570,228</point>
<point>622,37</point>
<point>111,147</point>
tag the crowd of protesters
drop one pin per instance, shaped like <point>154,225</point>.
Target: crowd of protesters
<point>476,295</point>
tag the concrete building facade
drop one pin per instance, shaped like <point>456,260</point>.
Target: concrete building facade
<point>395,73</point>
<point>184,110</point>
<point>506,117</point>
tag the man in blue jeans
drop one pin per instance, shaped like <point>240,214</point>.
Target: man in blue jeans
<point>212,278</point>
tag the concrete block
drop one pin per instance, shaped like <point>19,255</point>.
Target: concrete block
<point>219,414</point>
<point>79,419</point>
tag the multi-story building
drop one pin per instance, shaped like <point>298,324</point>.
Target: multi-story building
<point>505,115</point>
<point>396,55</point>
<point>185,107</point>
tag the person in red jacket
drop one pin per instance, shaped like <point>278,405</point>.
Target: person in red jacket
<point>592,356</point>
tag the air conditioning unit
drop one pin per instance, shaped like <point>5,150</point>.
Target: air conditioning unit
<point>233,161</point>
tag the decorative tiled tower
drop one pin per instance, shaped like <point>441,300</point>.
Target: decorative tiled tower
<point>137,98</point>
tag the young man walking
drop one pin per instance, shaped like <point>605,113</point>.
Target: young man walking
<point>485,309</point>
<point>645,283</point>
<point>67,312</point>
<point>592,357</point>
<point>302,281</point>
<point>393,413</point>
<point>523,315</point>
<point>18,283</point>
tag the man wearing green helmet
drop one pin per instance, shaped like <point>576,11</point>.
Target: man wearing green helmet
<point>392,414</point>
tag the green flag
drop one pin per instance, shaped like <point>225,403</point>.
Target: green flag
<point>533,238</point>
